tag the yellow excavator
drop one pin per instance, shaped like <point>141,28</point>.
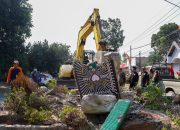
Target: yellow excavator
<point>92,24</point>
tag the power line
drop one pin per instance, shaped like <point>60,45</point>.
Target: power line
<point>154,25</point>
<point>155,40</point>
<point>140,47</point>
<point>160,37</point>
<point>157,28</point>
<point>159,21</point>
<point>172,3</point>
<point>144,52</point>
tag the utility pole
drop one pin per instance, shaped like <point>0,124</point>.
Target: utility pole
<point>130,56</point>
<point>140,60</point>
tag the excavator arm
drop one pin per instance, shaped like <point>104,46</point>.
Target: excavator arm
<point>91,25</point>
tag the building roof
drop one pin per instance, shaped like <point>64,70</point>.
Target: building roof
<point>173,47</point>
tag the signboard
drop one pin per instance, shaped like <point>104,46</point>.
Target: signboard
<point>96,79</point>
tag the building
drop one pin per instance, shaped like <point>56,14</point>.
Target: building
<point>173,57</point>
<point>139,61</point>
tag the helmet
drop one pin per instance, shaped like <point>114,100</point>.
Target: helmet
<point>16,62</point>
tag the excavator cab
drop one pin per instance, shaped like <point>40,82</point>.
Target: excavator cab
<point>88,56</point>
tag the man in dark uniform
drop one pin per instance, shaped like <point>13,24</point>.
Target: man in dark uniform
<point>133,78</point>
<point>145,78</point>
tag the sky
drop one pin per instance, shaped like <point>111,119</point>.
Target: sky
<point>60,20</point>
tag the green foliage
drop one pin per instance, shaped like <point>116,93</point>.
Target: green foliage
<point>154,58</point>
<point>112,33</point>
<point>72,92</point>
<point>52,83</point>
<point>15,25</point>
<point>59,91</point>
<point>176,120</point>
<point>63,89</point>
<point>153,96</point>
<point>33,108</point>
<point>38,101</point>
<point>48,57</point>
<point>37,55</point>
<point>35,116</point>
<point>164,128</point>
<point>72,116</point>
<point>161,41</point>
<point>17,101</point>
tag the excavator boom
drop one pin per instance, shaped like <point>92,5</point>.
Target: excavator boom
<point>92,24</point>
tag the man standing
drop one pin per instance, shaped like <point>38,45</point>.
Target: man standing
<point>14,72</point>
<point>145,78</point>
<point>133,78</point>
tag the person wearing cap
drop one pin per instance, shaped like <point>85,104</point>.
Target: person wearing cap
<point>14,71</point>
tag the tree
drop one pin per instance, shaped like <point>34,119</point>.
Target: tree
<point>162,40</point>
<point>37,55</point>
<point>58,54</point>
<point>47,57</point>
<point>112,33</point>
<point>15,25</point>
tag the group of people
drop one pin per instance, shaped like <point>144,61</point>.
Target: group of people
<point>133,80</point>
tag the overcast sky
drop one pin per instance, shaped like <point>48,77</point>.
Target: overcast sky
<point>60,20</point>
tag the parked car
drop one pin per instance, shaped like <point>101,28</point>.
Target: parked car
<point>171,86</point>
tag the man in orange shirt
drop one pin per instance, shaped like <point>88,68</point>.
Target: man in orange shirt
<point>14,72</point>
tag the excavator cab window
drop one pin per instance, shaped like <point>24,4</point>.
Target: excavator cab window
<point>86,60</point>
<point>88,56</point>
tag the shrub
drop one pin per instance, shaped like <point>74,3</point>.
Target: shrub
<point>153,96</point>
<point>17,101</point>
<point>175,117</point>
<point>72,116</point>
<point>59,90</point>
<point>38,101</point>
<point>73,92</point>
<point>176,120</point>
<point>23,81</point>
<point>63,89</point>
<point>52,83</point>
<point>32,108</point>
<point>35,116</point>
